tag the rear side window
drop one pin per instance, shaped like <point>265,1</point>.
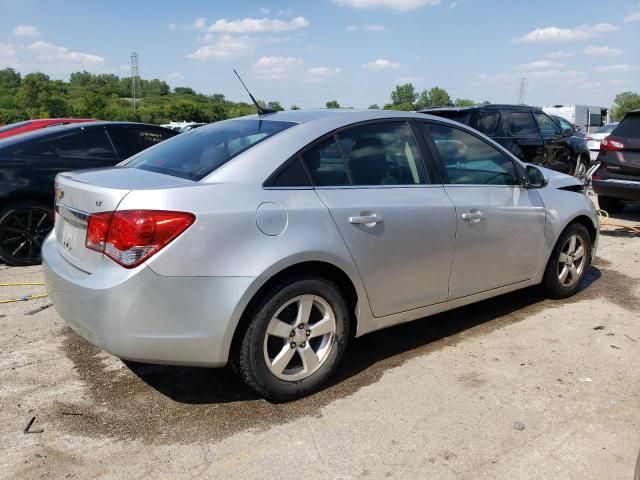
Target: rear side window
<point>129,141</point>
<point>489,123</point>
<point>462,117</point>
<point>92,143</point>
<point>522,123</point>
<point>195,154</point>
<point>629,127</point>
<point>293,175</point>
<point>326,165</point>
<point>469,160</point>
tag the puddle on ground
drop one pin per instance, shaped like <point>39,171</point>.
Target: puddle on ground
<point>161,404</point>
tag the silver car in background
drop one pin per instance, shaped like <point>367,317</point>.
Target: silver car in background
<point>268,241</point>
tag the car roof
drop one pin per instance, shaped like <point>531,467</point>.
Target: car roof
<point>44,132</point>
<point>503,106</point>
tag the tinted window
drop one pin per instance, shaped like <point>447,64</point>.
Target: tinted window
<point>291,176</point>
<point>547,125</point>
<point>462,117</point>
<point>522,123</point>
<point>382,154</point>
<point>325,165</point>
<point>91,143</point>
<point>129,141</point>
<point>489,123</point>
<point>564,124</point>
<point>471,161</point>
<point>197,153</point>
<point>629,127</point>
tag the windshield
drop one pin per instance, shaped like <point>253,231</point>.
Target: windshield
<point>13,126</point>
<point>197,153</point>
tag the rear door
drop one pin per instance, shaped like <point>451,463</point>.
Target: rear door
<point>558,152</point>
<point>500,224</point>
<point>398,226</point>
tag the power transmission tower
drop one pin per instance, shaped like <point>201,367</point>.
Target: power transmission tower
<point>135,79</point>
<point>522,90</point>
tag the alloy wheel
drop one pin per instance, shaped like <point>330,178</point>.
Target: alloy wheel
<point>581,171</point>
<point>572,260</point>
<point>299,337</point>
<point>22,233</point>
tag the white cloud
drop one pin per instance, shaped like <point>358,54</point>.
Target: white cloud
<point>257,25</point>
<point>225,46</point>
<point>47,52</point>
<point>264,11</point>
<point>276,68</point>
<point>351,28</point>
<point>560,54</point>
<point>26,31</point>
<point>374,28</point>
<point>323,72</point>
<point>620,68</point>
<point>603,51</point>
<point>173,27</point>
<point>555,34</point>
<point>540,65</point>
<point>634,16</point>
<point>199,23</point>
<point>381,64</point>
<point>398,5</point>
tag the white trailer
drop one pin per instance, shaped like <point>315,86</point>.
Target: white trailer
<point>588,118</point>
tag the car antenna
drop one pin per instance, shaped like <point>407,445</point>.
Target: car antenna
<point>261,111</point>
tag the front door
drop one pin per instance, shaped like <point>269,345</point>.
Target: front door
<point>399,229</point>
<point>500,224</point>
<point>556,144</point>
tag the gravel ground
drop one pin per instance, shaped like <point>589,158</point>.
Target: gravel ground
<point>516,387</point>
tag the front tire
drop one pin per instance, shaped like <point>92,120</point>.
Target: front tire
<point>568,263</point>
<point>295,338</point>
<point>23,228</point>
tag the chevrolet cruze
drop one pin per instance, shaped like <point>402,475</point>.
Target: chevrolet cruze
<point>269,241</point>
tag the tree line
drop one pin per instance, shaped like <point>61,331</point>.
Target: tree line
<point>108,97</point>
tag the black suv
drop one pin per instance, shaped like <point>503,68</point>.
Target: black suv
<point>527,132</point>
<point>617,180</point>
<point>30,162</point>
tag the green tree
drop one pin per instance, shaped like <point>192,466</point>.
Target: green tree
<point>9,79</point>
<point>332,104</point>
<point>185,111</point>
<point>463,102</point>
<point>275,106</point>
<point>34,94</point>
<point>403,95</point>
<point>184,91</point>
<point>374,106</point>
<point>625,102</point>
<point>92,105</point>
<point>294,107</point>
<point>436,97</point>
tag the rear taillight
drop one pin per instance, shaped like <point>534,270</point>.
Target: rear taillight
<point>130,237</point>
<point>611,145</point>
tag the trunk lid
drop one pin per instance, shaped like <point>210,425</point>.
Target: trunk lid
<point>81,193</point>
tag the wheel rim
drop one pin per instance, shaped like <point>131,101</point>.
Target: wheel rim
<point>299,337</point>
<point>581,171</point>
<point>23,231</point>
<point>573,258</point>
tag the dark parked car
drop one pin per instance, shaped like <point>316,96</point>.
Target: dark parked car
<point>29,163</point>
<point>617,180</point>
<point>527,132</point>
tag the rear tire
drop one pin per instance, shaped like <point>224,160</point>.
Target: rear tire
<point>610,204</point>
<point>569,262</point>
<point>296,336</point>
<point>23,228</point>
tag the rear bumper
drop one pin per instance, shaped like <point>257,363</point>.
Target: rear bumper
<point>616,188</point>
<point>140,315</point>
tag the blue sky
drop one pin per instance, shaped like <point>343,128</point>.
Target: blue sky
<point>353,51</point>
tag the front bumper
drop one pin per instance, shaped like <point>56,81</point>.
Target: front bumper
<point>140,315</point>
<point>617,188</point>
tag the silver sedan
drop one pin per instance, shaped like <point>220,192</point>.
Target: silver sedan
<point>268,242</point>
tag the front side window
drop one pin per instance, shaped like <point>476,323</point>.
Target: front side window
<point>547,125</point>
<point>469,160</point>
<point>522,124</point>
<point>195,154</point>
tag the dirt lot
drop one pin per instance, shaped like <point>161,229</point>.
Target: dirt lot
<point>517,387</point>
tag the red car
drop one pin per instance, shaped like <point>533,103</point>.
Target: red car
<point>30,125</point>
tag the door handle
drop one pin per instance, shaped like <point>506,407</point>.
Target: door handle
<point>366,220</point>
<point>473,216</point>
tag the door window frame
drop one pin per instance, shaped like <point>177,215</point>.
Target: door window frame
<point>435,154</point>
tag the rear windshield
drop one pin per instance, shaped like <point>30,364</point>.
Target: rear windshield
<point>195,154</point>
<point>13,126</point>
<point>607,128</point>
<point>629,127</point>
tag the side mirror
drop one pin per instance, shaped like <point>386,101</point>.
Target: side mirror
<point>535,178</point>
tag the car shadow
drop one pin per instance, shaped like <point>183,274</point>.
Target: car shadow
<point>381,350</point>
